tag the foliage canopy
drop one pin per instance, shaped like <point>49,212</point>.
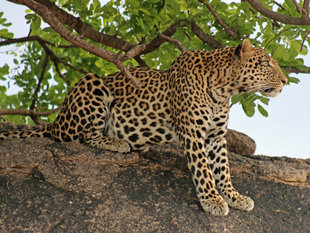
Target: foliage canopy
<point>50,65</point>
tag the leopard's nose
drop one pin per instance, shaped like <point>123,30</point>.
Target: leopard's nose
<point>284,81</point>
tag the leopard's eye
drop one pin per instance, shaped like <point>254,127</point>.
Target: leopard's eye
<point>266,63</point>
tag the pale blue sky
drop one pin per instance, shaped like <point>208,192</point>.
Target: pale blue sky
<point>286,132</point>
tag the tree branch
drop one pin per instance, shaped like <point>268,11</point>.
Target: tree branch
<point>205,37</point>
<point>303,41</point>
<point>229,30</point>
<point>279,17</point>
<point>305,12</point>
<point>173,41</point>
<point>157,42</point>
<point>291,69</point>
<point>26,112</point>
<point>32,38</point>
<point>57,60</point>
<point>298,8</point>
<point>84,29</point>
<point>49,52</point>
<point>36,119</point>
<point>77,40</point>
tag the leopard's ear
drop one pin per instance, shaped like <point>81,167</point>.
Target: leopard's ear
<point>244,51</point>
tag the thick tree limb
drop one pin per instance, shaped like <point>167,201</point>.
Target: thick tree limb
<point>256,4</point>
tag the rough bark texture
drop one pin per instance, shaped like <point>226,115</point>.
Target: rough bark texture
<point>47,186</point>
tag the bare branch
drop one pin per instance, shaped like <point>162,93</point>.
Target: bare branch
<point>173,41</point>
<point>304,40</point>
<point>229,30</point>
<point>305,12</point>
<point>60,74</point>
<point>36,119</point>
<point>205,37</point>
<point>279,5</point>
<point>157,42</point>
<point>256,4</point>
<point>298,8</point>
<point>57,60</point>
<point>26,112</point>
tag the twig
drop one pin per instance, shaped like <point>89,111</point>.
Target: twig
<point>173,41</point>
<point>57,59</point>
<point>50,53</point>
<point>157,41</point>
<point>60,74</point>
<point>304,40</point>
<point>305,12</point>
<point>36,119</point>
<point>298,8</point>
<point>279,5</point>
<point>278,34</point>
<point>35,94</point>
<point>229,30</point>
<point>205,37</point>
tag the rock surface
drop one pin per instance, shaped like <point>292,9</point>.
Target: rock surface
<point>47,186</point>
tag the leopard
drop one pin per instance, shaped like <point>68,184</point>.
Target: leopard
<point>188,104</point>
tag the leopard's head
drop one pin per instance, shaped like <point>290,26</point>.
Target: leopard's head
<point>257,71</point>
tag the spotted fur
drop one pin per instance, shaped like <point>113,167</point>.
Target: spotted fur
<point>188,103</point>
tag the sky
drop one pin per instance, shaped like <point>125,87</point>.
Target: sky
<point>285,132</point>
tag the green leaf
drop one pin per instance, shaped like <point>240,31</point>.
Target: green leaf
<point>293,80</point>
<point>235,99</point>
<point>4,70</point>
<point>262,110</point>
<point>4,33</point>
<point>36,23</point>
<point>248,107</point>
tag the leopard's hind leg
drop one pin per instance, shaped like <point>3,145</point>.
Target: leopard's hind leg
<point>84,116</point>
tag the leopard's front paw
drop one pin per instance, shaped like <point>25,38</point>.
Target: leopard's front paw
<point>240,202</point>
<point>123,147</point>
<point>215,206</point>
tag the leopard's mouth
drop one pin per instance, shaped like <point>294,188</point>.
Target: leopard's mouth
<point>271,91</point>
<point>268,90</point>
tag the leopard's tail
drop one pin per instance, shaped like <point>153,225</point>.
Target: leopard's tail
<point>43,131</point>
